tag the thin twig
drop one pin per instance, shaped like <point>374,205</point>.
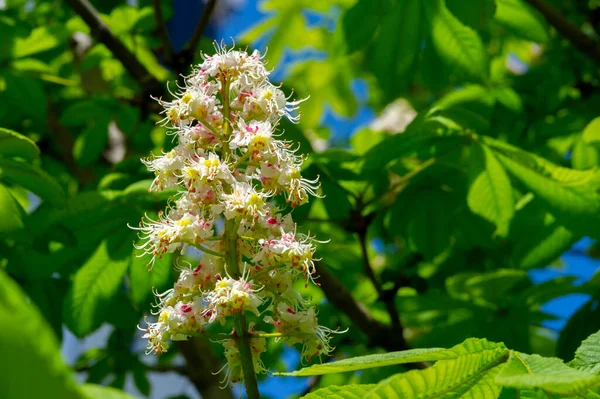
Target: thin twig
<point>389,302</point>
<point>102,33</point>
<point>201,26</point>
<point>163,32</point>
<point>182,59</point>
<point>569,30</point>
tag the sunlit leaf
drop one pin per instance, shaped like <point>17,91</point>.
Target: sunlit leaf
<point>29,351</point>
<point>13,144</point>
<point>457,45</point>
<point>34,179</point>
<point>93,288</point>
<point>490,193</point>
<point>551,374</point>
<point>522,20</point>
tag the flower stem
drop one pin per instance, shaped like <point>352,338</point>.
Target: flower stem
<point>242,338</point>
<point>243,343</point>
<point>240,325</point>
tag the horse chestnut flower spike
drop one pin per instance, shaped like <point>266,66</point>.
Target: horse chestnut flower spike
<point>230,164</point>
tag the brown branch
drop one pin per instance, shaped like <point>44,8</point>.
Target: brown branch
<point>201,27</point>
<point>163,32</point>
<point>389,301</point>
<point>569,30</point>
<point>379,334</point>
<point>201,364</point>
<point>342,299</point>
<point>185,57</point>
<point>103,34</point>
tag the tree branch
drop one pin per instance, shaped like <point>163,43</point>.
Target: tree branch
<point>569,30</point>
<point>201,27</point>
<point>163,32</point>
<point>388,300</point>
<point>201,364</point>
<point>342,299</point>
<point>185,57</point>
<point>103,34</point>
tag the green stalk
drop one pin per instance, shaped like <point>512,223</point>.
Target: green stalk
<point>242,338</point>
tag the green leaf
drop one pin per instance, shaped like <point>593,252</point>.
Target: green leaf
<point>24,98</point>
<point>522,20</point>
<point>429,132</point>
<point>476,14</point>
<point>142,280</point>
<point>570,195</point>
<point>584,156</point>
<point>93,288</point>
<point>31,365</point>
<point>400,30</point>
<point>457,45</point>
<point>11,213</point>
<point>82,112</point>
<point>581,324</point>
<point>33,179</point>
<point>336,200</point>
<point>425,213</point>
<point>587,356</point>
<point>490,193</point>
<point>351,391</point>
<point>41,39</point>
<point>591,133</point>
<point>48,295</point>
<point>13,144</point>
<point>359,24</point>
<point>470,375</point>
<point>491,288</point>
<point>548,373</point>
<point>378,360</point>
<point>537,237</point>
<point>91,142</point>
<point>93,391</point>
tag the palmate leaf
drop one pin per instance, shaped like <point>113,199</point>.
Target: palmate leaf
<point>570,195</point>
<point>490,193</point>
<point>470,374</point>
<point>548,373</point>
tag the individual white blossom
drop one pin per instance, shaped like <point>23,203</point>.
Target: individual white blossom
<point>230,165</point>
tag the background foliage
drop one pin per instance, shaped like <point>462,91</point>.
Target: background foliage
<point>435,222</point>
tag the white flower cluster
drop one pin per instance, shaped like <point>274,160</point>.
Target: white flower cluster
<point>230,165</point>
